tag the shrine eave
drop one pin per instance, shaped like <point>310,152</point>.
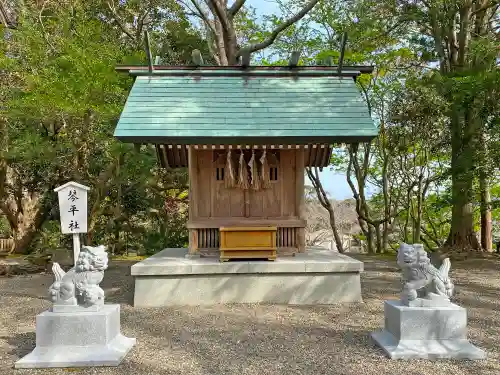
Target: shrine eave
<point>257,140</point>
<point>176,155</point>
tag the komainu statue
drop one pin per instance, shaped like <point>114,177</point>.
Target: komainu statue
<point>423,284</point>
<point>80,285</point>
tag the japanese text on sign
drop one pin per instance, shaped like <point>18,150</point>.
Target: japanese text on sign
<point>73,207</point>
<point>72,195</point>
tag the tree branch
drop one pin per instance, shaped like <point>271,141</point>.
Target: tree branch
<point>235,7</point>
<point>221,14</point>
<point>486,7</point>
<point>363,224</point>
<point>320,192</point>
<point>325,202</point>
<point>201,14</point>
<point>114,13</point>
<point>3,17</point>
<point>224,23</point>
<point>367,97</point>
<point>211,43</point>
<point>433,227</point>
<point>140,26</point>
<point>426,243</point>
<point>366,161</point>
<point>45,35</point>
<point>258,46</point>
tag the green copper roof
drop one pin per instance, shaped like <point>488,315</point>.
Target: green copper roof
<point>226,108</point>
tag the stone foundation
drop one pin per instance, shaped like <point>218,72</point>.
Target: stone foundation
<point>78,339</point>
<point>426,332</point>
<point>317,276</point>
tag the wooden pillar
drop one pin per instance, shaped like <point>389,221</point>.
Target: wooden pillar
<point>300,197</point>
<point>193,241</point>
<point>193,197</point>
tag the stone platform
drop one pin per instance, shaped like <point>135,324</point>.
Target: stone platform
<point>318,276</point>
<point>426,333</point>
<point>78,339</point>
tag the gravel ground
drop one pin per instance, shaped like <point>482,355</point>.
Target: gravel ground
<point>261,339</point>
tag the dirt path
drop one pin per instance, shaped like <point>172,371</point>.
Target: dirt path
<point>261,339</point>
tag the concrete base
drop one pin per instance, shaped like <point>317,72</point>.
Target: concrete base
<point>78,339</point>
<point>317,276</point>
<point>426,332</point>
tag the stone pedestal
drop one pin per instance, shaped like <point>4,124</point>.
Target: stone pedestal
<point>426,332</point>
<point>317,276</point>
<point>78,339</point>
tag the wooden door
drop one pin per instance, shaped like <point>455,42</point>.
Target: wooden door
<point>236,202</point>
<point>226,202</point>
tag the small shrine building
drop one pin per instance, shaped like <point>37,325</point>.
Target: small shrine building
<point>245,133</point>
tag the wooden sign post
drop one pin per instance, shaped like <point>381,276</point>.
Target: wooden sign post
<point>73,211</point>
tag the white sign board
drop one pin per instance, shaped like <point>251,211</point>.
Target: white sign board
<point>73,207</point>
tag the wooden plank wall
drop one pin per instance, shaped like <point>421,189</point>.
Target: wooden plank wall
<point>212,200</point>
<point>209,238</point>
<point>6,245</point>
<point>288,178</point>
<point>216,201</point>
<point>205,176</point>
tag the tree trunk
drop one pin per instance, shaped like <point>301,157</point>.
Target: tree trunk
<point>325,202</point>
<point>378,236</point>
<point>118,219</point>
<point>28,225</point>
<point>336,236</point>
<point>387,203</point>
<point>418,217</point>
<point>386,224</point>
<point>485,196</point>
<point>23,238</point>
<point>365,229</point>
<point>369,240</point>
<point>385,236</point>
<point>407,219</point>
<point>462,236</point>
<point>465,123</point>
<point>359,192</point>
<point>221,26</point>
<point>8,16</point>
<point>486,224</point>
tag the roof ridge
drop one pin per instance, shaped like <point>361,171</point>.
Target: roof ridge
<point>346,70</point>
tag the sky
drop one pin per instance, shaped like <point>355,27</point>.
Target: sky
<point>334,183</point>
<point>263,6</point>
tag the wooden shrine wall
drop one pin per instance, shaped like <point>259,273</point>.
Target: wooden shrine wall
<point>213,200</point>
<point>213,205</point>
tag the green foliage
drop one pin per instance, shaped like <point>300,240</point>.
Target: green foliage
<point>50,238</point>
<point>66,96</point>
<point>5,231</point>
<point>63,100</point>
<point>413,101</point>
